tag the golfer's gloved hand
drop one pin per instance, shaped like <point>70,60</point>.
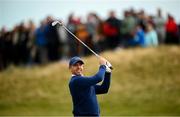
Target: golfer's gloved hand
<point>108,67</point>
<point>103,61</point>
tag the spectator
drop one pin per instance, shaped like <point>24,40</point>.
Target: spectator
<point>151,38</point>
<point>98,38</point>
<point>179,32</point>
<point>64,48</point>
<point>52,40</point>
<point>22,44</point>
<point>112,31</point>
<point>159,26</point>
<point>8,48</point>
<point>93,23</point>
<point>171,31</point>
<point>141,19</point>
<point>41,44</point>
<point>83,35</point>
<point>138,38</point>
<point>31,40</point>
<point>15,42</point>
<point>128,27</point>
<point>72,43</point>
<point>3,64</point>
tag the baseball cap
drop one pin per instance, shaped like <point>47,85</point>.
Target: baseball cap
<point>74,60</point>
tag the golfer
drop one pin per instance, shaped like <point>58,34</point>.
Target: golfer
<point>84,89</point>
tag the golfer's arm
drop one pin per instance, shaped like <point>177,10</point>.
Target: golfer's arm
<point>93,80</point>
<point>104,87</point>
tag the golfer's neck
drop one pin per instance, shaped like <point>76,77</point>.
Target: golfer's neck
<point>77,74</point>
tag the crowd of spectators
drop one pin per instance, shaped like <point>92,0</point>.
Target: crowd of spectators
<point>28,44</point>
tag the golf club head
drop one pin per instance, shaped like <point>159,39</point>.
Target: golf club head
<point>57,22</point>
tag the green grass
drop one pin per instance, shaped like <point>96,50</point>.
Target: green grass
<point>144,82</point>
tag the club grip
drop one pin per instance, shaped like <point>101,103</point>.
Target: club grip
<point>109,65</point>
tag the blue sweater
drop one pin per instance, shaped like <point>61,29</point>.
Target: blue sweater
<point>84,90</point>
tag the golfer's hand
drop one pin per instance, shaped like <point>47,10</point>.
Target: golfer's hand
<point>108,67</point>
<point>102,61</point>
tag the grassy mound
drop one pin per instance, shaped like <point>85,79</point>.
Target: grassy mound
<point>144,82</point>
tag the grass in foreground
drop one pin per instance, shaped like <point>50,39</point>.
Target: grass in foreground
<point>144,82</point>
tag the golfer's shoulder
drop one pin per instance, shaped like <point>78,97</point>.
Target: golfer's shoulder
<point>76,80</point>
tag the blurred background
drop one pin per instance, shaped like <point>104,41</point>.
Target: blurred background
<point>140,37</point>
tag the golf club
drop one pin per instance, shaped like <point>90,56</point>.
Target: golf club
<point>98,56</point>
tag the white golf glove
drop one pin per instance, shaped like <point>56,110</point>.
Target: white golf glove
<point>108,67</point>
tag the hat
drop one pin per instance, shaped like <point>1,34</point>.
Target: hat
<point>74,60</point>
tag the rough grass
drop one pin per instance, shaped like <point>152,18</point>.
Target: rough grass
<point>144,82</point>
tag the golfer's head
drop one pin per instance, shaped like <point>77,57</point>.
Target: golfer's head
<point>76,65</point>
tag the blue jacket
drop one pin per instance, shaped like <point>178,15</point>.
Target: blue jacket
<point>40,37</point>
<point>138,39</point>
<point>84,89</point>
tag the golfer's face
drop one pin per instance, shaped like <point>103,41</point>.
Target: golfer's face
<point>77,68</point>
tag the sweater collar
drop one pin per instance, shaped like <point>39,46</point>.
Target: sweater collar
<point>76,75</point>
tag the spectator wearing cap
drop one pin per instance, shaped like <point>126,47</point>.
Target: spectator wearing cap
<point>84,89</point>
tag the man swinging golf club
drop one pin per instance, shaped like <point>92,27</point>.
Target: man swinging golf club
<point>84,89</point>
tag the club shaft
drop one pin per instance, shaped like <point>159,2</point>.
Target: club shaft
<point>81,41</point>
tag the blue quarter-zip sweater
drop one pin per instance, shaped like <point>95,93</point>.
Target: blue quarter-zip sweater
<point>84,89</point>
